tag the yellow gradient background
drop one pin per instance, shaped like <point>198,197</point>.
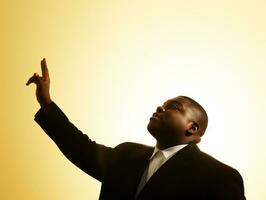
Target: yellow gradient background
<point>111,63</point>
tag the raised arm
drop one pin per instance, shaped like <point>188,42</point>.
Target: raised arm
<point>90,157</point>
<point>86,154</point>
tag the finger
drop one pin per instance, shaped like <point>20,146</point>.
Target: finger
<point>45,73</point>
<point>33,79</point>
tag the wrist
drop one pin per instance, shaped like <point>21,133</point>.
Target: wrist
<point>46,103</point>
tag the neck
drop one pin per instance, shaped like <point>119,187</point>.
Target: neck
<point>163,146</point>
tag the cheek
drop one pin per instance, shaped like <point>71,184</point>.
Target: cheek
<point>174,121</point>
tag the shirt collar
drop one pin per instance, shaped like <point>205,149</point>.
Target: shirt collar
<point>169,152</point>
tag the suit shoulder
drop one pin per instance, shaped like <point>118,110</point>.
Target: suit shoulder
<point>127,146</point>
<point>131,150</point>
<point>222,174</point>
<point>216,164</point>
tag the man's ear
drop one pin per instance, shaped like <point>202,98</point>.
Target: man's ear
<point>192,132</point>
<point>193,127</point>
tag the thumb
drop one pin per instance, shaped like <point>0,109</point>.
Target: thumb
<point>34,79</point>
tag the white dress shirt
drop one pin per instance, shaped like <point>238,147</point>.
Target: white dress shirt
<point>167,153</point>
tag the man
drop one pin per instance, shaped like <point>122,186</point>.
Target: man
<point>174,169</point>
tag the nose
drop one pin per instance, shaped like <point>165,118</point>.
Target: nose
<point>160,109</point>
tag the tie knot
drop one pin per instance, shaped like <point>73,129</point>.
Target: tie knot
<point>159,152</point>
<point>158,155</point>
<point>156,161</point>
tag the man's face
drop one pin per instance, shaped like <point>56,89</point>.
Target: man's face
<point>168,123</point>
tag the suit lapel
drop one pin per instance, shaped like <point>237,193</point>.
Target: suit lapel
<point>134,177</point>
<point>176,162</point>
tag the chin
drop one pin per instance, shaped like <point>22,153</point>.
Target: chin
<point>154,129</point>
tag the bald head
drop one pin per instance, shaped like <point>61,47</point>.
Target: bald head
<point>196,113</point>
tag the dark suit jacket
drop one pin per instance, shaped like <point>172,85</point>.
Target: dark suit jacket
<point>188,175</point>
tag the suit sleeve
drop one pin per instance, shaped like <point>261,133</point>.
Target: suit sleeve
<point>231,186</point>
<point>90,157</point>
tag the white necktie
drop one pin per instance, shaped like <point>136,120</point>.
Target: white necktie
<point>157,160</point>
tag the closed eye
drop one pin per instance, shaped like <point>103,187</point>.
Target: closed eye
<point>174,106</point>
